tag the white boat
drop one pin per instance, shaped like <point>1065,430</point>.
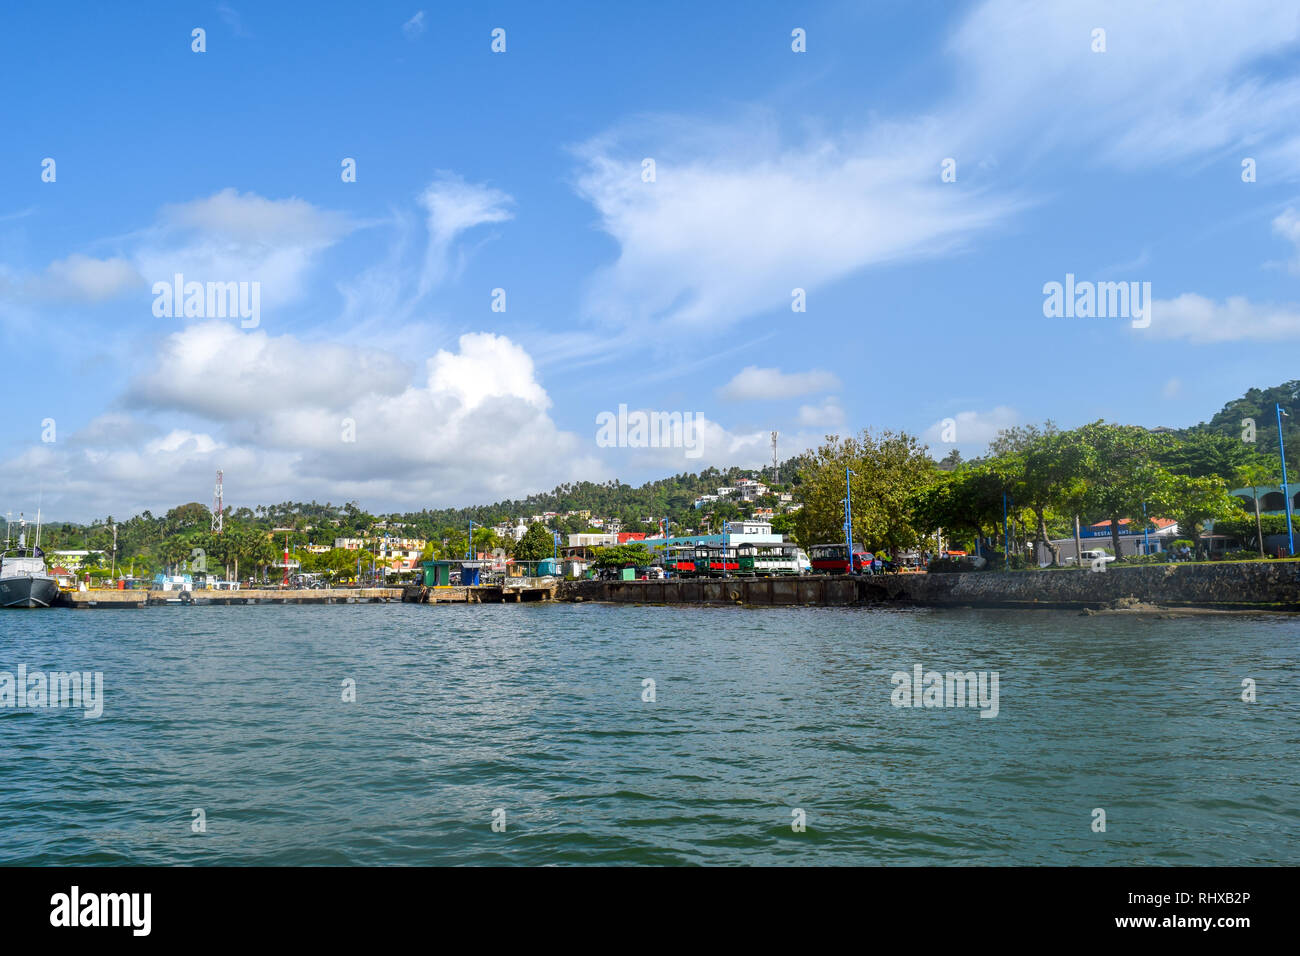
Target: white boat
<point>24,579</point>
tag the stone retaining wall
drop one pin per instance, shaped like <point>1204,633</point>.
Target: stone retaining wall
<point>1273,585</point>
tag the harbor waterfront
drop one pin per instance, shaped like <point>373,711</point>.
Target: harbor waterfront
<point>1226,586</point>
<point>240,717</point>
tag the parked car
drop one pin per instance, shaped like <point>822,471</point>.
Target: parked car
<point>1090,556</point>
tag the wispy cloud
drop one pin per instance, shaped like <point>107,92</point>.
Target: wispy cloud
<point>731,226</point>
<point>454,206</point>
<point>413,27</point>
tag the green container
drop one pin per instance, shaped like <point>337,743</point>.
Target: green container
<point>628,574</point>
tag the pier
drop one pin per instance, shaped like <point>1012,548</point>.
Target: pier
<point>107,598</point>
<point>508,593</point>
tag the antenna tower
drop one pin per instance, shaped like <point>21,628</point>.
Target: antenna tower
<point>217,506</point>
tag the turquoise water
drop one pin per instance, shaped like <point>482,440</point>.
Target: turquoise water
<point>538,710</point>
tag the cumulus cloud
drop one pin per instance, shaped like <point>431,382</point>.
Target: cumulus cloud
<point>234,237</point>
<point>284,417</point>
<point>222,373</point>
<point>756,384</point>
<point>708,443</point>
<point>1196,318</point>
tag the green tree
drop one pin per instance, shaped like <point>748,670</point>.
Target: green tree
<point>535,544</point>
<point>968,499</point>
<point>1192,501</point>
<point>1252,476</point>
<point>1047,473</point>
<point>1123,474</point>
<point>888,470</point>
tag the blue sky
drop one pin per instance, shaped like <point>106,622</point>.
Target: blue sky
<point>522,171</point>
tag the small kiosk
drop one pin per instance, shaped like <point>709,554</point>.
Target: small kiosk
<point>470,573</point>
<point>437,574</point>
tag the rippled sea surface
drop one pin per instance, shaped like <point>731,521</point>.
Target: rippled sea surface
<point>538,710</point>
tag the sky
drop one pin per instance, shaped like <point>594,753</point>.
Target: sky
<point>812,219</point>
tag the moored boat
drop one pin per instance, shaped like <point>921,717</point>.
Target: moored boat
<point>24,579</point>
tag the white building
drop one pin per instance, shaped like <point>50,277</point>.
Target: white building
<point>588,540</point>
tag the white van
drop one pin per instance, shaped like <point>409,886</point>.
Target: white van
<point>1090,556</point>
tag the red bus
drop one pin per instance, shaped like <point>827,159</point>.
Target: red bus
<point>831,558</point>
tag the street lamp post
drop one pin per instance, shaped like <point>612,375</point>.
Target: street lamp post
<point>469,553</point>
<point>1286,491</point>
<point>848,518</point>
<point>726,530</point>
<point>1146,534</point>
<point>1006,542</point>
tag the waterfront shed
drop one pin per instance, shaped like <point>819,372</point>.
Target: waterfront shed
<point>469,573</point>
<point>437,574</point>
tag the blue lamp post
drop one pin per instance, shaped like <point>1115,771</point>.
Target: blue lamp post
<point>469,554</point>
<point>1146,534</point>
<point>848,517</point>
<point>1006,542</point>
<point>726,530</point>
<point>1286,491</point>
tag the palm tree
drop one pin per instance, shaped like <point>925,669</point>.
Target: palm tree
<point>1252,476</point>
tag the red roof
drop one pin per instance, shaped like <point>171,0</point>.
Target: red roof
<point>63,571</point>
<point>630,536</point>
<point>1160,523</point>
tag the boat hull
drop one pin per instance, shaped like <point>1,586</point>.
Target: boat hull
<point>28,592</point>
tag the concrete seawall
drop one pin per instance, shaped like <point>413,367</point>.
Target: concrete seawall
<point>108,598</point>
<point>1272,585</point>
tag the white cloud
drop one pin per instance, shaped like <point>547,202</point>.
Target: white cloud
<point>757,384</point>
<point>729,229</point>
<point>413,27</point>
<point>251,218</point>
<point>712,445</point>
<point>1172,388</point>
<point>218,371</point>
<point>1198,319</point>
<point>454,206</point>
<point>1178,79</point>
<point>476,428</point>
<point>972,429</point>
<point>737,219</point>
<point>1287,225</point>
<point>80,278</point>
<point>229,237</point>
<point>830,414</point>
